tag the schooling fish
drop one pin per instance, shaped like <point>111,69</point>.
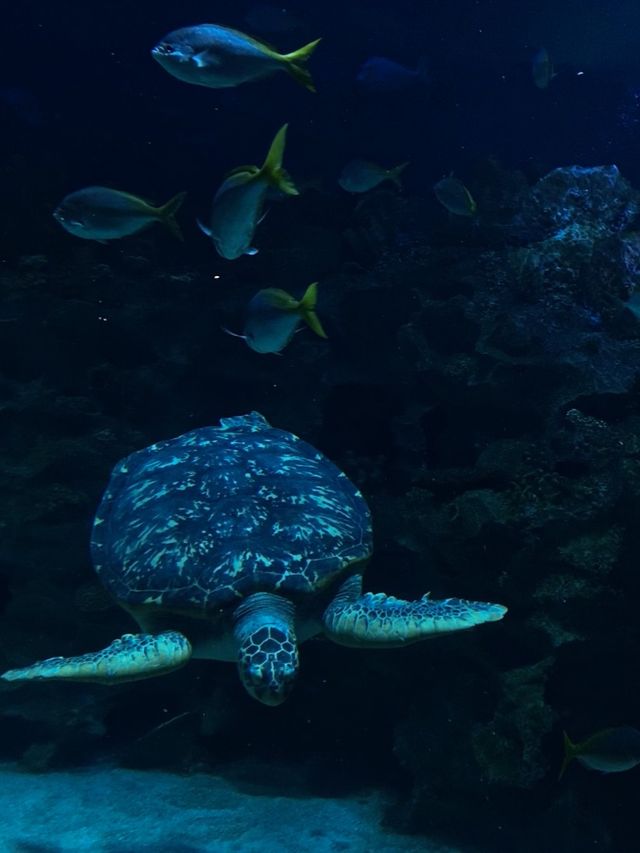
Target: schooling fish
<point>238,205</point>
<point>542,69</point>
<point>380,74</point>
<point>610,751</point>
<point>219,57</point>
<point>99,213</point>
<point>273,316</point>
<point>453,195</point>
<point>358,176</point>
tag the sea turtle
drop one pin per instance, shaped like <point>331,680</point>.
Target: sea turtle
<point>236,543</point>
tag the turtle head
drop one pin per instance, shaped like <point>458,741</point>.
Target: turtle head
<point>268,664</point>
<point>267,647</point>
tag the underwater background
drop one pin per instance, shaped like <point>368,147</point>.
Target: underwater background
<point>479,383</point>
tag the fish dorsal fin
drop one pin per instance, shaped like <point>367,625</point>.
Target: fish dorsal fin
<point>272,168</point>
<point>280,299</point>
<point>258,42</point>
<point>138,200</point>
<point>250,171</point>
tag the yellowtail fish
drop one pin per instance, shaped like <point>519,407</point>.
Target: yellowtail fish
<point>100,213</point>
<point>218,57</point>
<point>453,195</point>
<point>358,176</point>
<point>238,205</point>
<point>610,751</point>
<point>273,317</point>
<point>542,69</point>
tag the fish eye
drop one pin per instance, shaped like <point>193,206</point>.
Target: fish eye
<point>165,49</point>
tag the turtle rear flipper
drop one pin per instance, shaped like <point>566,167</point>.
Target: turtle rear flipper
<point>382,621</point>
<point>129,658</point>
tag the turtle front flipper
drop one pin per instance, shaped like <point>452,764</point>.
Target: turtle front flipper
<point>130,658</point>
<point>382,621</point>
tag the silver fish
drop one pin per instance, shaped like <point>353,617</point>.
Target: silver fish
<point>452,194</point>
<point>100,213</point>
<point>610,750</point>
<point>218,57</point>
<point>359,176</point>
<point>238,205</point>
<point>273,317</point>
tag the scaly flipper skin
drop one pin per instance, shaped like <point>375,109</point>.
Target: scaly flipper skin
<point>382,621</point>
<point>130,658</point>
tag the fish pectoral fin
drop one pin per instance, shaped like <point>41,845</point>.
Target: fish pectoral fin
<point>205,59</point>
<point>251,251</point>
<point>206,231</point>
<point>243,171</point>
<point>233,334</point>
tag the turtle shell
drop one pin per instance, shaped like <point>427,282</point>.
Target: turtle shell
<point>201,520</point>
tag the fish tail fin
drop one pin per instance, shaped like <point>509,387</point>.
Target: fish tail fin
<point>167,214</point>
<point>296,64</point>
<point>570,752</point>
<point>307,310</point>
<point>272,168</point>
<point>394,174</point>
